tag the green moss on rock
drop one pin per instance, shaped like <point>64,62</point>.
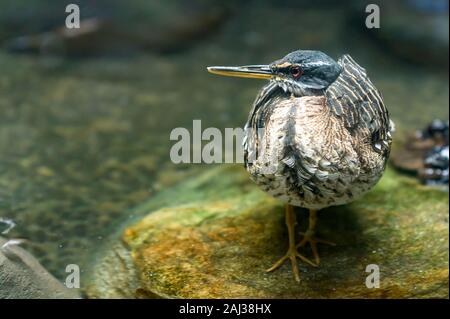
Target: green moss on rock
<point>213,236</point>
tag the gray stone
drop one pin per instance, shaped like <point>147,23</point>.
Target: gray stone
<point>23,277</point>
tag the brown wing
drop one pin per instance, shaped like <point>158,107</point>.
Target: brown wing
<point>354,99</point>
<point>262,107</point>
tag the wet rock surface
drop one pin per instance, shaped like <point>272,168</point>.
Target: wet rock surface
<point>214,235</point>
<point>23,277</point>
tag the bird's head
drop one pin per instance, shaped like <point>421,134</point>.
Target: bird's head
<point>302,72</point>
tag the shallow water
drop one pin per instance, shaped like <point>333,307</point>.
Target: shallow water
<point>85,141</point>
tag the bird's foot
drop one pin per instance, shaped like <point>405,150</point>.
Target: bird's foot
<point>292,254</point>
<point>309,238</point>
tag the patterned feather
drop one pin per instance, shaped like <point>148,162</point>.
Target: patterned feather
<point>354,99</point>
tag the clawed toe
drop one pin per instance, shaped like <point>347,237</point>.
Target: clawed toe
<point>309,238</point>
<point>317,240</point>
<point>292,254</point>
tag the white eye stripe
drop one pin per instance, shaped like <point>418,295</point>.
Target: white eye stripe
<point>317,63</point>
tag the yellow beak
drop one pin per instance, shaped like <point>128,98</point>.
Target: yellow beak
<point>248,71</point>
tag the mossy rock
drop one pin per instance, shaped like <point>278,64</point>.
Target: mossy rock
<point>213,237</point>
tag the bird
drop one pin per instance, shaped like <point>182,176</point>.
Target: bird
<point>318,135</point>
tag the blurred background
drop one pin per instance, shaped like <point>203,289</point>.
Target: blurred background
<point>85,115</point>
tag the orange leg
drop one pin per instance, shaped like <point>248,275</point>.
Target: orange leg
<point>309,238</point>
<point>292,253</point>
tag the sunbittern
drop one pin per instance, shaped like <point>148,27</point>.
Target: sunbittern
<point>318,135</point>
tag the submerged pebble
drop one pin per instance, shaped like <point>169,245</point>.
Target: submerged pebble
<point>435,162</point>
<point>426,154</point>
<point>6,225</point>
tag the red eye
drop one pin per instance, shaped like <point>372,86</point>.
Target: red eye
<point>296,71</point>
